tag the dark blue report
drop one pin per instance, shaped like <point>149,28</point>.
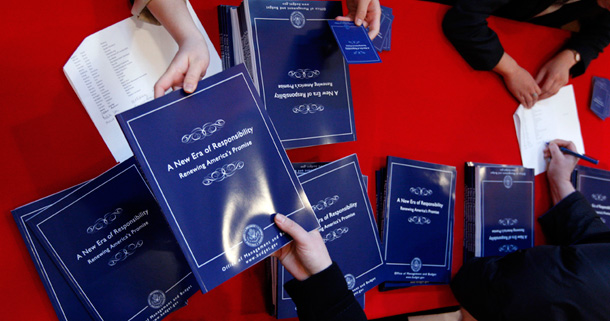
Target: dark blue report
<point>418,221</point>
<point>219,172</point>
<point>354,42</point>
<point>301,74</point>
<point>113,245</point>
<point>594,184</point>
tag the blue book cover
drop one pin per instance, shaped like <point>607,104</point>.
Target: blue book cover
<point>594,184</point>
<point>302,76</point>
<point>418,221</point>
<point>503,209</point>
<point>600,100</point>
<point>219,172</point>
<point>111,241</point>
<point>354,42</point>
<point>66,303</point>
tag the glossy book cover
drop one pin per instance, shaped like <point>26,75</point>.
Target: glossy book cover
<point>594,184</point>
<point>219,172</point>
<point>303,78</point>
<point>418,221</point>
<point>112,243</point>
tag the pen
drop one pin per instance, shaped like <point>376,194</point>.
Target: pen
<point>575,154</point>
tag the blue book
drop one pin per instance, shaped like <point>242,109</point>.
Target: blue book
<point>347,225</point>
<point>600,100</point>
<point>498,209</point>
<point>66,303</point>
<point>594,184</point>
<point>301,74</point>
<point>113,245</point>
<point>418,221</point>
<point>219,172</point>
<point>354,42</point>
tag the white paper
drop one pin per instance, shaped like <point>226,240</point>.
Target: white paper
<point>552,118</point>
<point>115,69</point>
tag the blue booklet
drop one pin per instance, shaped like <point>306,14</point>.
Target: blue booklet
<point>384,38</point>
<point>418,221</point>
<point>219,172</point>
<point>594,184</point>
<point>347,225</point>
<point>66,303</point>
<point>498,209</point>
<point>354,42</point>
<point>113,245</point>
<point>600,100</point>
<point>301,74</point>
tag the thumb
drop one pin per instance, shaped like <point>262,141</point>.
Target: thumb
<point>291,228</point>
<point>361,12</point>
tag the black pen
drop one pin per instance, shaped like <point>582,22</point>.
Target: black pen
<point>575,154</point>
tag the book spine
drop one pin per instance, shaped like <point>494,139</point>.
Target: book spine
<point>469,211</point>
<point>222,35</point>
<point>229,37</point>
<point>245,39</point>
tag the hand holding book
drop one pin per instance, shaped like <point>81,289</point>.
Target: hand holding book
<point>366,13</point>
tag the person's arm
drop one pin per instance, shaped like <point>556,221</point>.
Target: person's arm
<point>192,59</point>
<point>572,218</point>
<point>319,289</point>
<point>590,41</point>
<point>364,12</point>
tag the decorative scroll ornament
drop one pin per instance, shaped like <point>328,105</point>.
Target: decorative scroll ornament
<point>220,174</point>
<point>352,42</point>
<point>253,235</point>
<point>420,191</point>
<point>508,248</point>
<point>125,253</point>
<point>199,133</point>
<point>508,221</point>
<point>297,20</point>
<point>350,280</point>
<point>325,203</point>
<point>419,220</point>
<point>508,181</point>
<point>156,299</point>
<point>307,109</point>
<point>303,74</point>
<point>598,197</point>
<point>335,234</point>
<point>104,221</point>
<point>416,264</point>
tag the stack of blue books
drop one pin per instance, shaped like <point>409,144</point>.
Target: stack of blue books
<point>594,184</point>
<point>296,65</point>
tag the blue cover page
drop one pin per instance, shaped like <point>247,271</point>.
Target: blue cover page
<point>111,241</point>
<point>418,221</point>
<point>303,79</point>
<point>594,184</point>
<point>67,305</point>
<point>600,100</point>
<point>354,42</point>
<point>504,220</point>
<point>218,169</point>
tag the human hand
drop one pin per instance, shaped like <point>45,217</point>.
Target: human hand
<point>306,255</point>
<point>364,12</point>
<point>560,169</point>
<point>187,68</point>
<point>518,81</point>
<point>555,73</point>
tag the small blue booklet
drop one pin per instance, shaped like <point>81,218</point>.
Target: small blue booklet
<point>383,41</point>
<point>354,42</point>
<point>418,221</point>
<point>300,72</point>
<point>498,209</point>
<point>347,225</point>
<point>600,100</point>
<point>113,245</point>
<point>594,184</point>
<point>66,303</point>
<point>219,172</point>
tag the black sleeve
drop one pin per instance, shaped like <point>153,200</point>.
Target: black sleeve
<point>571,220</point>
<point>593,37</point>
<point>465,25</point>
<point>325,297</point>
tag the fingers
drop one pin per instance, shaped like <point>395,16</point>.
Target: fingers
<point>343,18</point>
<point>361,10</point>
<point>291,228</point>
<point>375,23</point>
<point>164,83</point>
<point>193,75</point>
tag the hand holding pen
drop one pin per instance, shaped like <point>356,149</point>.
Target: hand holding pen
<point>560,167</point>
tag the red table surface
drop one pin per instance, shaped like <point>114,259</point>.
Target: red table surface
<point>423,102</point>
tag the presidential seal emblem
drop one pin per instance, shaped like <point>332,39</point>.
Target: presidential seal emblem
<point>156,299</point>
<point>253,235</point>
<point>508,181</point>
<point>297,20</point>
<point>416,264</point>
<point>350,280</point>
